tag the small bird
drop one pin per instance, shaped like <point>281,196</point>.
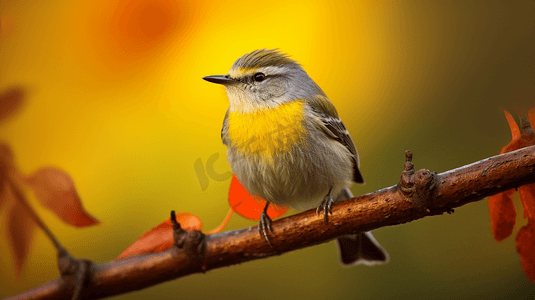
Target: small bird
<point>287,145</point>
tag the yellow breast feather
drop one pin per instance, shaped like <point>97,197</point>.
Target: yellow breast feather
<point>268,131</point>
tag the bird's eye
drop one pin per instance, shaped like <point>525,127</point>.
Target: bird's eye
<point>259,77</point>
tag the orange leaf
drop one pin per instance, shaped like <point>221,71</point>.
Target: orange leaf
<point>527,196</point>
<point>55,190</point>
<point>525,246</point>
<point>248,206</point>
<point>502,214</point>
<point>20,228</point>
<point>515,133</point>
<point>160,237</point>
<point>10,101</point>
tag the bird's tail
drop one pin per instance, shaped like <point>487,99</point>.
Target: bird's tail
<point>360,248</point>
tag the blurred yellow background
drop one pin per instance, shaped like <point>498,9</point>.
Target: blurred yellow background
<point>116,99</point>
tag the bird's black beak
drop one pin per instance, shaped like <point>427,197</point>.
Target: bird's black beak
<point>219,79</point>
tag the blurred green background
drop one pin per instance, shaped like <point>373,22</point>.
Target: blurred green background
<point>117,100</point>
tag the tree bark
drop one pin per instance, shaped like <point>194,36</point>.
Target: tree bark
<point>417,195</point>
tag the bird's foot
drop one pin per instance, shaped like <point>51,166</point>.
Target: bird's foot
<point>327,206</point>
<point>264,226</point>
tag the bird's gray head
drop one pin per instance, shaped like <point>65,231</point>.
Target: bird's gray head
<point>265,78</point>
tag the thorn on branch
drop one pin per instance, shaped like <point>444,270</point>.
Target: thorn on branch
<point>193,243</point>
<point>417,185</point>
<point>178,232</point>
<point>406,184</point>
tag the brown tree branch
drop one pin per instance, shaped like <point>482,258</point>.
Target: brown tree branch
<point>417,195</point>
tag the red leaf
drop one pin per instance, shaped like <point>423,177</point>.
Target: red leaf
<point>527,196</point>
<point>502,214</point>
<point>502,211</point>
<point>160,237</point>
<point>248,206</point>
<point>10,101</point>
<point>20,228</point>
<point>55,190</point>
<point>525,246</point>
<point>515,133</point>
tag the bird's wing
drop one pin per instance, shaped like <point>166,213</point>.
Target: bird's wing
<point>335,129</point>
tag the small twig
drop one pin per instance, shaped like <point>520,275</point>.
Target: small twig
<point>33,215</point>
<point>73,272</point>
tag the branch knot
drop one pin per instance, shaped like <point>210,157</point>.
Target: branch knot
<point>417,185</point>
<point>74,272</point>
<point>193,243</point>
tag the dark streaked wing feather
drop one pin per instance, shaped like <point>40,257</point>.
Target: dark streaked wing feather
<point>338,131</point>
<point>334,128</point>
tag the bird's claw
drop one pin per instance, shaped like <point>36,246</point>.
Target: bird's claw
<point>327,207</point>
<point>264,225</point>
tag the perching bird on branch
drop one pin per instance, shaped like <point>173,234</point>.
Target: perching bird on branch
<point>287,145</point>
